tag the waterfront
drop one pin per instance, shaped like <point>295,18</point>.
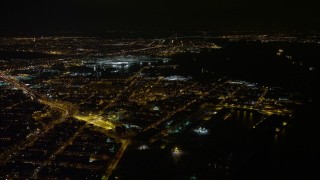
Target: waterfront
<point>149,108</point>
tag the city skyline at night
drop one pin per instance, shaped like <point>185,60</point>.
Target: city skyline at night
<point>159,90</point>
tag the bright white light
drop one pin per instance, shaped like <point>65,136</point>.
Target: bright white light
<point>201,131</point>
<point>143,147</point>
<point>176,78</point>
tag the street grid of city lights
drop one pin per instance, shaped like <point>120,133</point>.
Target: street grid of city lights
<point>74,111</point>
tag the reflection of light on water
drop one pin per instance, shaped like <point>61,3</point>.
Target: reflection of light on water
<point>276,137</point>
<point>250,120</point>
<point>280,136</point>
<point>177,152</point>
<point>283,132</point>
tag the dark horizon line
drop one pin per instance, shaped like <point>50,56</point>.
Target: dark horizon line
<point>148,32</point>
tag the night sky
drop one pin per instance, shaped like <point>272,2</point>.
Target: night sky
<point>22,16</point>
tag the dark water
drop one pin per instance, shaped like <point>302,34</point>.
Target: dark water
<point>296,150</point>
<point>258,62</point>
<point>231,150</point>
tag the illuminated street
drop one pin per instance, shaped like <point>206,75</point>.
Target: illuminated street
<point>96,108</point>
<point>96,120</point>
